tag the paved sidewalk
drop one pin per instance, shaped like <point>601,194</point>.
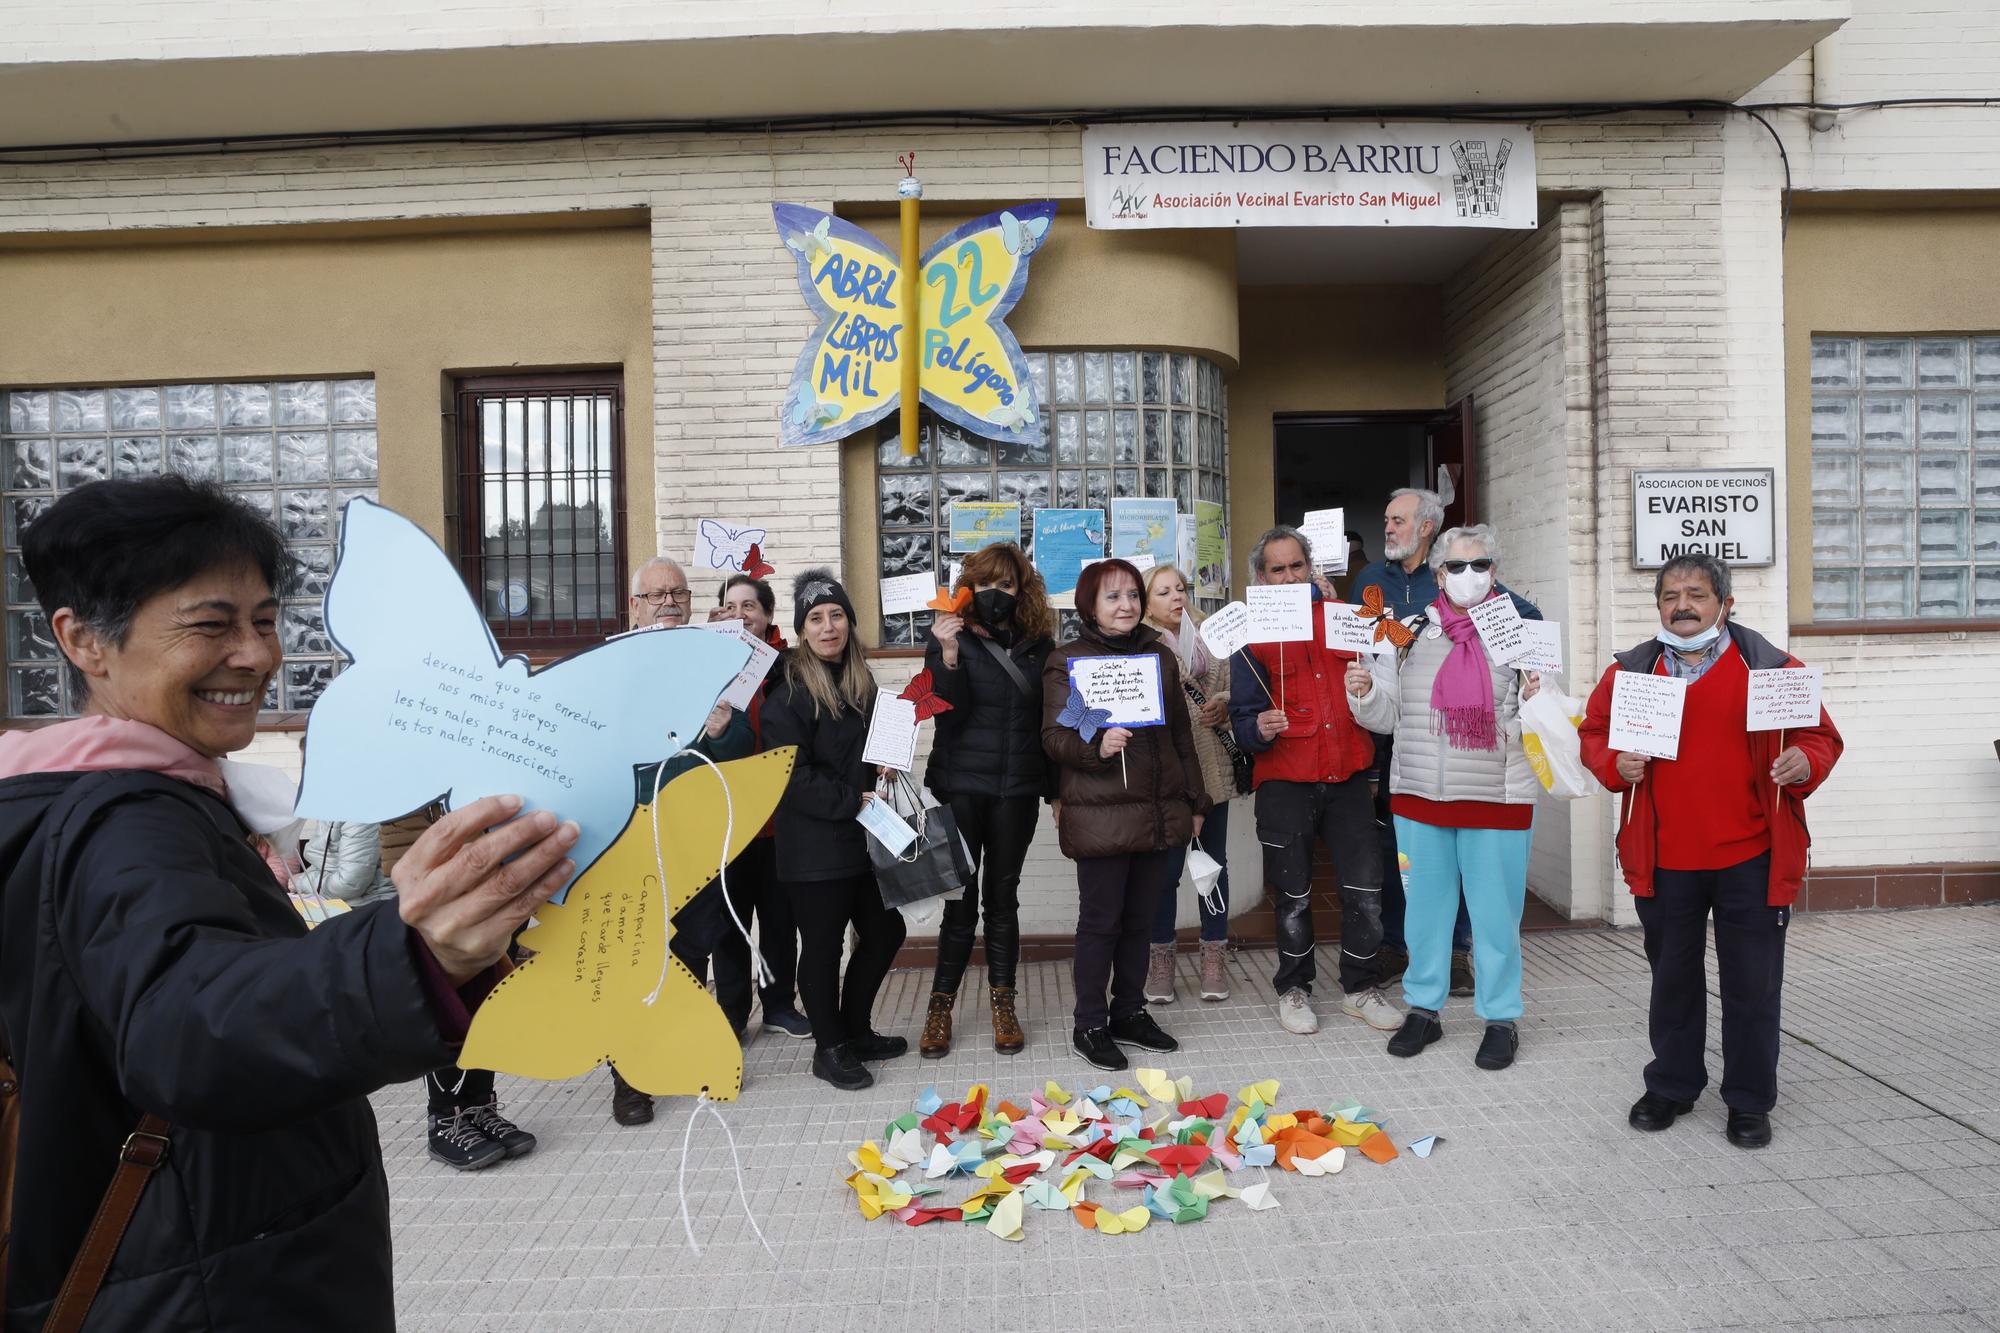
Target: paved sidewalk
<point>1878,1206</point>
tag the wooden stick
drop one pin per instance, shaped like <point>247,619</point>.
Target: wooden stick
<point>1254,675</point>
<point>1281,675</point>
<point>1124,773</point>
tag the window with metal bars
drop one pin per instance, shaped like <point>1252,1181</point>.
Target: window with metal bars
<point>541,520</point>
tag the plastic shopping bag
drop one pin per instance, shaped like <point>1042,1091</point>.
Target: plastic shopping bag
<point>1548,735</point>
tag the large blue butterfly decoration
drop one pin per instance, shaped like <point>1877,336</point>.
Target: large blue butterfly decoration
<point>1081,718</point>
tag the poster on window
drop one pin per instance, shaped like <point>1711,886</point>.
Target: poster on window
<point>1065,541</point>
<point>1145,527</point>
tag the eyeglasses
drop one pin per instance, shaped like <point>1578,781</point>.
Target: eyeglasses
<point>1482,564</point>
<point>681,595</point>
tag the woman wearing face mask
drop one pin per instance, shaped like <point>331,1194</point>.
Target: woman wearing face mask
<point>820,705</point>
<point>1131,800</point>
<point>1462,795</point>
<point>754,889</point>
<point>987,764</point>
<point>1205,681</point>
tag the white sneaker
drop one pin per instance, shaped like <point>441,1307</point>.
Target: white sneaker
<point>1295,1013</point>
<point>1372,1007</point>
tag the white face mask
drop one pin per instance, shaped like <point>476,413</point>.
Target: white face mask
<point>1469,586</point>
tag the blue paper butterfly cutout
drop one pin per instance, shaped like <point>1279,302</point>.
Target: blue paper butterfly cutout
<point>1080,717</point>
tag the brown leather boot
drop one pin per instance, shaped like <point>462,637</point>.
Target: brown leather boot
<point>1008,1039</point>
<point>1160,974</point>
<point>935,1044</point>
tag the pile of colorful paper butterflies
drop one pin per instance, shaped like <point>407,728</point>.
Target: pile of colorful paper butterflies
<point>1048,1155</point>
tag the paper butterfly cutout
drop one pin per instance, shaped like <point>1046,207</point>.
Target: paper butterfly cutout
<point>430,706</point>
<point>1080,717</point>
<point>973,373</point>
<point>950,602</point>
<point>920,693</point>
<point>1386,624</point>
<point>754,563</point>
<point>725,547</point>
<point>579,1002</point>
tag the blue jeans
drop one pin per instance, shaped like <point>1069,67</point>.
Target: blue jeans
<point>1491,867</point>
<point>1214,840</point>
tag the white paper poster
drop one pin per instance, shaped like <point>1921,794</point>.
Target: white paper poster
<point>1646,714</point>
<point>892,733</point>
<point>1542,648</point>
<point>1227,630</point>
<point>1280,613</point>
<point>1784,697</point>
<point>1188,533</point>
<point>1326,530</point>
<point>719,545</point>
<point>1126,686</point>
<point>1348,632</point>
<point>1498,621</point>
<point>906,593</point>
<point>744,688</point>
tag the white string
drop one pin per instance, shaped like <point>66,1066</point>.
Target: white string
<point>760,968</point>
<point>702,1103</point>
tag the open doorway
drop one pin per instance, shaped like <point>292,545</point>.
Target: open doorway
<point>1352,461</point>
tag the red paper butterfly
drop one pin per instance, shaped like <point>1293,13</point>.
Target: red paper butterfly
<point>754,563</point>
<point>919,692</point>
<point>1386,624</point>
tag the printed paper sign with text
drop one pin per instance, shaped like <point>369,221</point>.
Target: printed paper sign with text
<point>1128,687</point>
<point>1280,613</point>
<point>1784,697</point>
<point>1064,540</point>
<point>1145,527</point>
<point>1211,549</point>
<point>975,526</point>
<point>1646,714</point>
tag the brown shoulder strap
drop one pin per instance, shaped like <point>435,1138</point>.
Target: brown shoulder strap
<point>145,1149</point>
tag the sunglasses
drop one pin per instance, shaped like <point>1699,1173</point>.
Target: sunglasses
<point>1482,564</point>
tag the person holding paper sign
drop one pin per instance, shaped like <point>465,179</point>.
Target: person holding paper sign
<point>1312,786</point>
<point>1132,797</point>
<point>821,705</point>
<point>1719,829</point>
<point>987,764</point>
<point>1462,794</point>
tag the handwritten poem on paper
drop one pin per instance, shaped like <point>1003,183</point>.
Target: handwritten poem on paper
<point>476,708</point>
<point>1280,613</point>
<point>1646,714</point>
<point>1785,697</point>
<point>1126,687</point>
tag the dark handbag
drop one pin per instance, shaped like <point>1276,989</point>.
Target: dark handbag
<point>935,865</point>
<point>1242,767</point>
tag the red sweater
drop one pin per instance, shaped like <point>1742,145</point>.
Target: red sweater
<point>1709,796</point>
<point>1323,742</point>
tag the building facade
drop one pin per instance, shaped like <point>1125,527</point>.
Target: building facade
<point>560,343</point>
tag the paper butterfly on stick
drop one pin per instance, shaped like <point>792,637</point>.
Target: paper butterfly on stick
<point>719,546</point>
<point>972,372</point>
<point>1385,622</point>
<point>920,692</point>
<point>1080,717</point>
<point>430,708</point>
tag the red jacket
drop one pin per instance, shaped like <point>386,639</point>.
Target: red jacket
<point>1784,807</point>
<point>1323,742</point>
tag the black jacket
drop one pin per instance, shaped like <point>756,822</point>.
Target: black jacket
<point>150,961</point>
<point>818,835</point>
<point>990,742</point>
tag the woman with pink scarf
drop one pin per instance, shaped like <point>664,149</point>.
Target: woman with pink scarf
<point>1462,795</point>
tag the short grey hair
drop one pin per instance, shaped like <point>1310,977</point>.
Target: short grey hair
<point>1489,542</point>
<point>1283,532</point>
<point>1692,563</point>
<point>657,562</point>
<point>1430,508</point>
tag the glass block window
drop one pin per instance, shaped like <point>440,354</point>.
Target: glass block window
<point>1114,424</point>
<point>1906,478</point>
<point>295,450</point>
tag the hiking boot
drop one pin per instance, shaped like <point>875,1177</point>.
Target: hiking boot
<point>837,1065</point>
<point>486,1118</point>
<point>1160,975</point>
<point>1140,1030</point>
<point>1008,1039</point>
<point>876,1046</point>
<point>1461,972</point>
<point>1418,1031</point>
<point>629,1106</point>
<point>1295,1013</point>
<point>1372,1007</point>
<point>456,1142</point>
<point>935,1043</point>
<point>1497,1048</point>
<point>1393,961</point>
<point>1096,1046</point>
<point>788,1021</point>
<point>1215,969</point>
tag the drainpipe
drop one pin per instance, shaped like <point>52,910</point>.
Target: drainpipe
<point>1825,80</point>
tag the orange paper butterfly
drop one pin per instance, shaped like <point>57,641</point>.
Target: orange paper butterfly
<point>918,692</point>
<point>955,603</point>
<point>1386,625</point>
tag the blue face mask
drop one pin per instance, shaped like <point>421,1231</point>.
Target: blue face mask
<point>1690,642</point>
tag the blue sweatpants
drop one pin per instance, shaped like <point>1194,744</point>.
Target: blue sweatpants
<point>1492,867</point>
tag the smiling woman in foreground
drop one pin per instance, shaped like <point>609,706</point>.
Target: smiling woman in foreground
<point>150,964</point>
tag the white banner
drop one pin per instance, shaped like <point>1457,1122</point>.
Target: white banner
<point>1307,174</point>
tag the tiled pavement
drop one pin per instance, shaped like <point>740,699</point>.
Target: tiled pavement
<point>1878,1206</point>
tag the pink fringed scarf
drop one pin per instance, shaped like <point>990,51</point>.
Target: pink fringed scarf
<point>1462,693</point>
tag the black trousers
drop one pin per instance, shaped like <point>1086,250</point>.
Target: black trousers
<point>1750,965</point>
<point>755,892</point>
<point>451,1089</point>
<point>1116,899</point>
<point>1291,816</point>
<point>998,833</point>
<point>824,909</point>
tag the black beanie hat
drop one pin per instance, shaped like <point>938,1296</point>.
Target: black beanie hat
<point>817,587</point>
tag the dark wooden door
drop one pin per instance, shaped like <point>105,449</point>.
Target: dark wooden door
<point>1452,444</point>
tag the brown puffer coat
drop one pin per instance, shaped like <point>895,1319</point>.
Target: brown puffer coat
<point>1103,815</point>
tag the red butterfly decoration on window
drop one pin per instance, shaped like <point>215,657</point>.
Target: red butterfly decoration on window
<point>919,692</point>
<point>754,563</point>
<point>1386,625</point>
